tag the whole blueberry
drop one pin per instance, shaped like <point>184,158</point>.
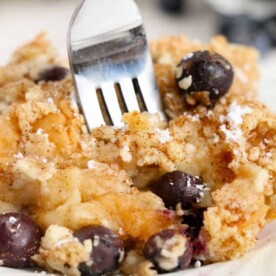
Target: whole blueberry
<point>169,250</point>
<point>204,77</point>
<point>179,188</point>
<point>53,73</point>
<point>107,250</point>
<point>19,240</point>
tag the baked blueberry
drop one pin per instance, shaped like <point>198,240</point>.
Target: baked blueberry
<point>19,240</point>
<point>53,73</point>
<point>194,219</point>
<point>204,77</point>
<point>179,188</point>
<point>107,250</point>
<point>169,250</point>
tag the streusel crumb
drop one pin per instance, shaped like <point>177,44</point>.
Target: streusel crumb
<point>61,251</point>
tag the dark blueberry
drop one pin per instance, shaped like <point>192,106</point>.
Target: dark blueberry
<point>169,250</point>
<point>19,240</point>
<point>107,252</point>
<point>53,73</point>
<point>204,77</point>
<point>194,219</point>
<point>179,188</point>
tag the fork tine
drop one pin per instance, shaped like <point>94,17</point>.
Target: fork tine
<point>149,89</point>
<point>89,103</point>
<point>129,95</point>
<point>112,103</point>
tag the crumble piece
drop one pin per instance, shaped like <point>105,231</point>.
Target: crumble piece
<point>61,251</point>
<point>135,264</point>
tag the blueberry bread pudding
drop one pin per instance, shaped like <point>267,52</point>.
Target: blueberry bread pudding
<point>150,197</point>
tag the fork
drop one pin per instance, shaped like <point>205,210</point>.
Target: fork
<point>110,62</point>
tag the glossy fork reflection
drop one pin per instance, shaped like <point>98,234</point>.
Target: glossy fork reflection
<point>110,62</point>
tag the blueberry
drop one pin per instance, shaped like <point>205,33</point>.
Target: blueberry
<point>169,250</point>
<point>194,219</point>
<point>107,252</point>
<point>204,77</point>
<point>179,188</point>
<point>53,73</point>
<point>19,240</point>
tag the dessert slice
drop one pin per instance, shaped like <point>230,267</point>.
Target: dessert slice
<point>199,187</point>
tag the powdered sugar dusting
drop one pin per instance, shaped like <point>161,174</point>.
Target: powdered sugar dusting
<point>18,155</point>
<point>232,121</point>
<point>231,134</point>
<point>41,131</point>
<point>91,164</point>
<point>236,112</point>
<point>50,100</point>
<point>193,117</point>
<point>164,135</point>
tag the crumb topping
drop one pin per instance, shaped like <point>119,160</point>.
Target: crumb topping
<point>58,173</point>
<point>61,252</point>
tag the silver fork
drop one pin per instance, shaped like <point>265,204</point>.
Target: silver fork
<point>110,62</point>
